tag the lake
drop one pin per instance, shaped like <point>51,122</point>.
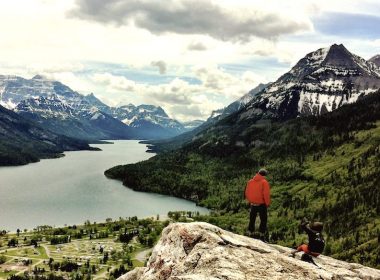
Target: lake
<point>73,189</point>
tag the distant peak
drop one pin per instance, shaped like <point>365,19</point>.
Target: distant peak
<point>130,105</point>
<point>375,60</point>
<point>38,77</point>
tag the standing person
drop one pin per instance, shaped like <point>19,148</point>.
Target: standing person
<point>257,193</point>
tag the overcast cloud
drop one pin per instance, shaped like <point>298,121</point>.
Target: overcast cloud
<point>197,46</point>
<point>190,17</point>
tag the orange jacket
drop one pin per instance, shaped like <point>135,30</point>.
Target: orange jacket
<point>258,190</point>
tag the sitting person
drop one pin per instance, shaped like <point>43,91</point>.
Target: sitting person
<point>316,242</point>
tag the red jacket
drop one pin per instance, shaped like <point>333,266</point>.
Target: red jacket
<point>258,190</point>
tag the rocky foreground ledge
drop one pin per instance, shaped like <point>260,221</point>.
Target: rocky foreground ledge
<point>201,251</point>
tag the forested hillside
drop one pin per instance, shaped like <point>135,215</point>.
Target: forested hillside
<point>325,168</point>
<point>22,141</point>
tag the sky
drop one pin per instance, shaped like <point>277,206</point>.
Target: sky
<point>188,56</point>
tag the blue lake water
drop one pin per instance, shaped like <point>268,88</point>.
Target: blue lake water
<point>73,189</point>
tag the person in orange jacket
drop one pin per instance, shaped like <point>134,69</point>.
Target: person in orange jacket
<point>257,193</point>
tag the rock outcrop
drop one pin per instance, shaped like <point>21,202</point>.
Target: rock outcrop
<point>202,251</point>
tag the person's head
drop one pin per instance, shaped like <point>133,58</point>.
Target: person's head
<point>317,226</point>
<point>263,172</point>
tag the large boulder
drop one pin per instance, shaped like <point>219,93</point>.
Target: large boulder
<point>202,251</point>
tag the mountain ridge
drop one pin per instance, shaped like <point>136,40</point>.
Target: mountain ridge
<point>30,98</point>
<point>320,82</point>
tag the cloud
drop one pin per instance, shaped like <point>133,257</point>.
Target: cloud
<point>197,46</point>
<point>118,83</point>
<point>161,66</point>
<point>191,17</point>
<point>193,111</point>
<point>180,98</point>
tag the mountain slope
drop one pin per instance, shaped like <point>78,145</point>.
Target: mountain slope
<point>324,167</point>
<point>320,82</point>
<point>235,106</point>
<point>22,141</point>
<point>80,120</point>
<point>375,60</point>
<point>190,125</point>
<point>150,121</point>
<point>176,142</point>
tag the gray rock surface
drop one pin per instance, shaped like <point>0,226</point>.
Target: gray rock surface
<point>202,251</point>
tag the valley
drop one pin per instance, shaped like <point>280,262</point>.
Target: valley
<point>103,250</point>
<point>323,159</point>
<point>189,140</point>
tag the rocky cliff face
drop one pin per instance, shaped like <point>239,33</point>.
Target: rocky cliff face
<point>202,251</point>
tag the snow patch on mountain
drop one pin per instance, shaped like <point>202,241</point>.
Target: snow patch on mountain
<point>320,82</point>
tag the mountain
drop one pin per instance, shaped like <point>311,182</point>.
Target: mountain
<point>195,251</point>
<point>58,108</point>
<point>148,121</point>
<point>22,141</point>
<point>320,82</point>
<point>375,60</point>
<point>80,120</point>
<point>15,89</point>
<point>236,105</point>
<point>190,125</point>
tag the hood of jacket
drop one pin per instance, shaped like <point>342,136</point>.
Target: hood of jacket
<point>258,177</point>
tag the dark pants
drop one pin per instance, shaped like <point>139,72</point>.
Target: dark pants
<point>263,213</point>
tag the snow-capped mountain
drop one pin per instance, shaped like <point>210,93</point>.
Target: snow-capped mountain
<point>132,115</point>
<point>320,82</point>
<point>14,89</point>
<point>58,108</point>
<point>236,105</point>
<point>149,121</point>
<point>79,120</point>
<point>190,125</point>
<point>62,110</point>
